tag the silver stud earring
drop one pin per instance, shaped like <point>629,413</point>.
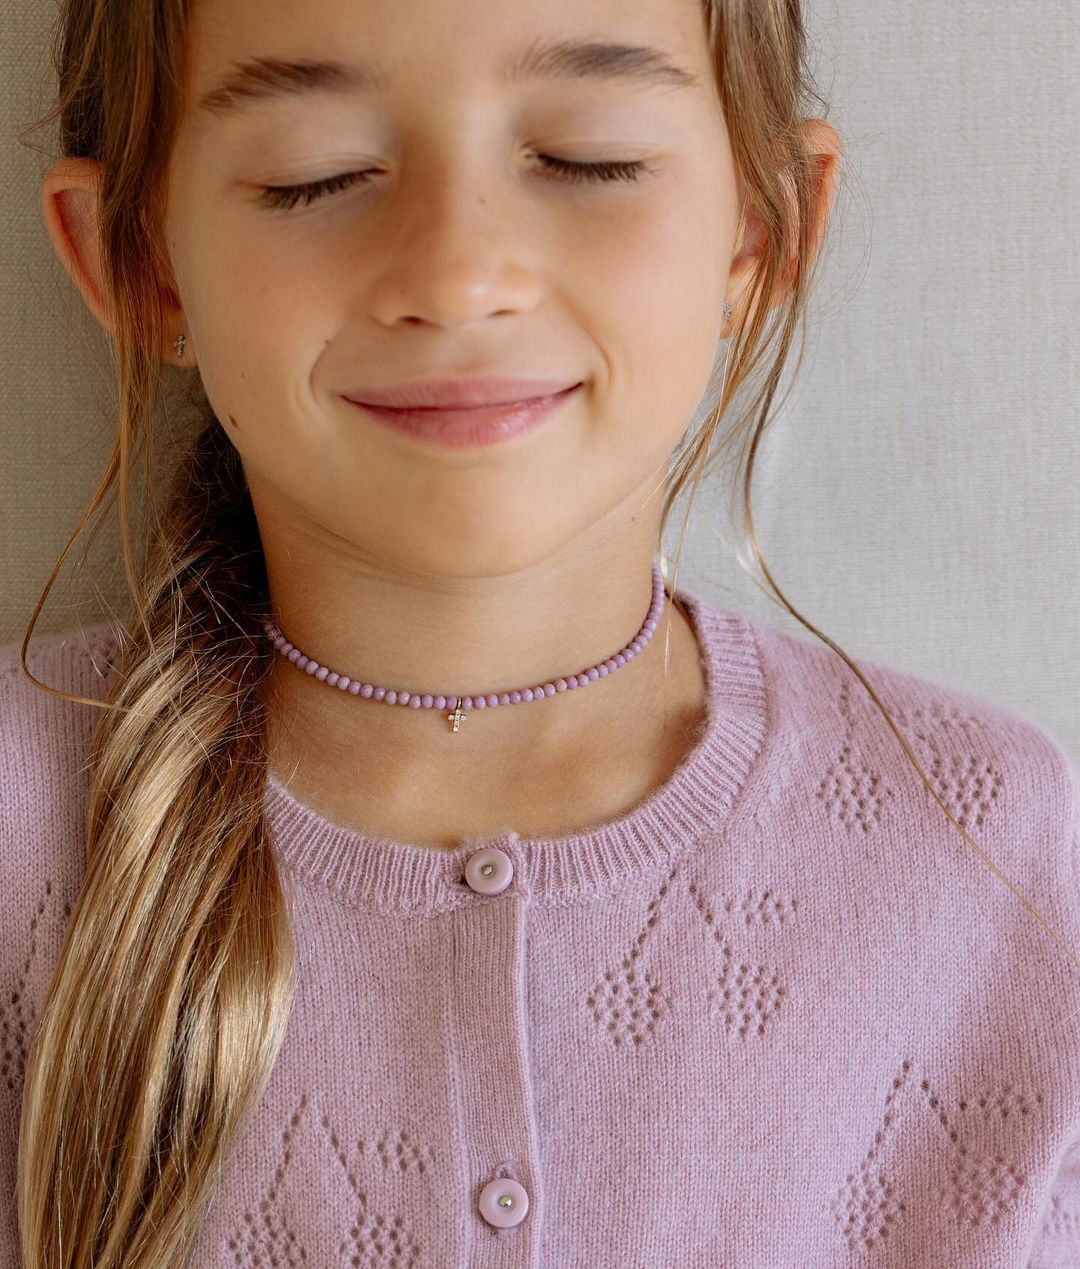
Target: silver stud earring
<point>178,344</point>
<point>728,310</point>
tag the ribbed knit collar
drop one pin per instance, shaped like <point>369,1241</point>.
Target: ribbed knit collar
<point>400,877</point>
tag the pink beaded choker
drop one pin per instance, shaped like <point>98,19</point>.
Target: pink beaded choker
<point>459,704</point>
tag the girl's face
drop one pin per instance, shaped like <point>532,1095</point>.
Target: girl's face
<point>462,249</point>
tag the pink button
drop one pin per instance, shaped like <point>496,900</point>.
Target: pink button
<point>489,871</point>
<point>504,1203</point>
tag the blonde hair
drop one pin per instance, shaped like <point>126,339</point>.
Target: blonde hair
<point>169,1002</point>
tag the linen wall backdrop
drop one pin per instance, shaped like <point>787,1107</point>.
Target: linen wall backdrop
<point>919,497</point>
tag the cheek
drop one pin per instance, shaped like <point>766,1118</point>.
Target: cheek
<point>660,263</point>
<point>262,324</point>
<point>659,283</point>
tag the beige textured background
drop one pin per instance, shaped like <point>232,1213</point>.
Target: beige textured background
<point>918,498</point>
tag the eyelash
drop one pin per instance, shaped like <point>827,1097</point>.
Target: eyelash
<point>287,196</point>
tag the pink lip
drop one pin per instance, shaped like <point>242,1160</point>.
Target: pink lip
<point>458,394</point>
<point>463,428</point>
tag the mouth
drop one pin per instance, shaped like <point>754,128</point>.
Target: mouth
<point>476,392</point>
<point>458,427</point>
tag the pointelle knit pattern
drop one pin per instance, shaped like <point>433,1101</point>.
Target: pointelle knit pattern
<point>777,1014</point>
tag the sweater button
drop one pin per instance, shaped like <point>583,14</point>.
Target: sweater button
<point>504,1203</point>
<point>489,871</point>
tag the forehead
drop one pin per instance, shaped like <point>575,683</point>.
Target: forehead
<point>245,54</point>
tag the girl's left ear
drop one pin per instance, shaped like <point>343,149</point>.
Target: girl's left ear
<point>823,142</point>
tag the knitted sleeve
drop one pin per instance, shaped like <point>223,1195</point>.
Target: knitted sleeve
<point>1058,1243</point>
<point>43,785</point>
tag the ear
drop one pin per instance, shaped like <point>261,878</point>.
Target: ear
<point>70,200</point>
<point>822,141</point>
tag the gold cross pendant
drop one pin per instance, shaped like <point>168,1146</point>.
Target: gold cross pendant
<point>456,718</point>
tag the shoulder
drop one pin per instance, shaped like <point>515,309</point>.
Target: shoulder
<point>44,782</point>
<point>1008,780</point>
<point>43,736</point>
<point>45,739</point>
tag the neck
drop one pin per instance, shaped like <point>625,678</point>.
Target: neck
<point>403,773</point>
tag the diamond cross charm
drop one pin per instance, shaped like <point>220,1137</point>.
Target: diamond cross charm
<point>457,717</point>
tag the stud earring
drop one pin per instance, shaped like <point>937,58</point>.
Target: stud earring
<point>178,344</point>
<point>728,310</point>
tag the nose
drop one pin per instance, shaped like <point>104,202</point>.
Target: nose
<point>458,249</point>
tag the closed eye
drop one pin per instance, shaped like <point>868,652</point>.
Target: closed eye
<point>286,196</point>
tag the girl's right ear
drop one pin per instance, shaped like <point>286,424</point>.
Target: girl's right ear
<point>69,205</point>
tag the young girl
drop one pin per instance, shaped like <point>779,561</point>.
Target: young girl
<point>657,937</point>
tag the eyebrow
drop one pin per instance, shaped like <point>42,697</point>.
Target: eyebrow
<point>268,78</point>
